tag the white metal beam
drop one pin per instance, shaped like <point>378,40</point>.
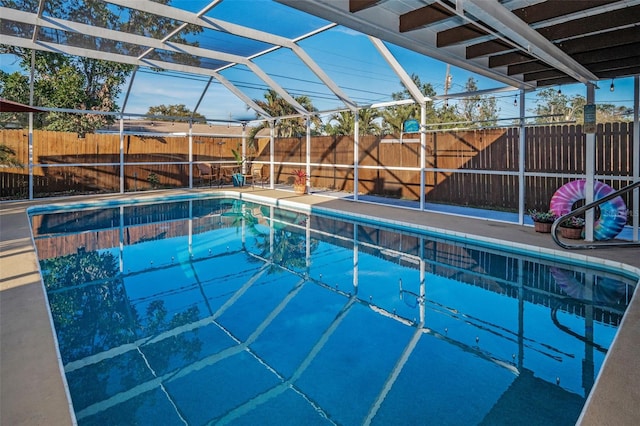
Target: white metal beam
<point>218,25</point>
<point>240,94</point>
<point>275,86</point>
<point>405,78</point>
<point>129,86</point>
<point>151,42</point>
<point>35,27</point>
<point>522,139</point>
<point>205,22</point>
<point>125,59</point>
<point>589,169</point>
<point>97,32</point>
<point>319,72</point>
<point>184,25</point>
<point>383,24</point>
<point>475,93</point>
<point>239,30</point>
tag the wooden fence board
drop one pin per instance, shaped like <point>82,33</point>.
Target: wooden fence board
<point>548,149</point>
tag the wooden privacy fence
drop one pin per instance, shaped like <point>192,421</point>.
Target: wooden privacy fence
<point>473,167</point>
<point>64,163</point>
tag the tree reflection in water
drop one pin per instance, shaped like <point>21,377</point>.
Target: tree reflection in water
<point>92,315</point>
<point>88,303</point>
<point>289,249</point>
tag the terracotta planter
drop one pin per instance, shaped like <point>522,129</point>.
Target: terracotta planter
<point>300,189</point>
<point>543,227</point>
<point>571,233</point>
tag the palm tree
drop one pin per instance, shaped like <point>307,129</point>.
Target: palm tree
<point>395,116</point>
<point>276,106</point>
<point>367,119</point>
<point>345,122</point>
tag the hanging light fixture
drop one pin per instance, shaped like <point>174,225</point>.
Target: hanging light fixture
<point>559,90</point>
<point>515,100</point>
<point>612,87</point>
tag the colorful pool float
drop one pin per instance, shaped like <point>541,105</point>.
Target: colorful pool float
<point>613,213</point>
<point>607,290</point>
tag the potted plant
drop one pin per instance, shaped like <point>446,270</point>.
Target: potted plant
<point>299,181</point>
<point>238,177</point>
<point>542,220</point>
<point>572,228</point>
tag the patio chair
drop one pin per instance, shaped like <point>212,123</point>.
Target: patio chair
<point>226,174</point>
<point>208,172</point>
<point>258,177</point>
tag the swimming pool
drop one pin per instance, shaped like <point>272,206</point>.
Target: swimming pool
<point>218,310</point>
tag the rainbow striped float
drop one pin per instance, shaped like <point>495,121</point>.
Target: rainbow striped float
<point>613,213</point>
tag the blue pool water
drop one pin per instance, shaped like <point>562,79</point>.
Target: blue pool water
<point>221,311</point>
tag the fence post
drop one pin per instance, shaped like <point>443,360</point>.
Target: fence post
<point>636,158</point>
<point>356,153</point>
<point>521,162</point>
<point>190,154</point>
<point>423,150</point>
<point>121,154</point>
<point>272,153</point>
<point>589,168</point>
<point>31,156</point>
<point>307,183</point>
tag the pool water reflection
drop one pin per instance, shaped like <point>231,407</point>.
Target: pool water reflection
<point>222,311</point>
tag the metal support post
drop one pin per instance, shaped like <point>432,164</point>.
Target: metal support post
<point>590,165</point>
<point>521,160</point>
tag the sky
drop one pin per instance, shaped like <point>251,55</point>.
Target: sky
<point>357,68</point>
<point>347,57</point>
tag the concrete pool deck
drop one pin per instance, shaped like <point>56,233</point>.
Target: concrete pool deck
<point>32,389</point>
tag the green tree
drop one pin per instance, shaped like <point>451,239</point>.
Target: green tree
<point>15,86</point>
<point>177,110</point>
<point>448,113</point>
<point>551,101</point>
<point>344,122</point>
<point>367,118</point>
<point>276,106</point>
<point>479,109</point>
<point>552,106</point>
<point>607,113</point>
<point>62,81</point>
<point>576,108</point>
<point>395,116</point>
